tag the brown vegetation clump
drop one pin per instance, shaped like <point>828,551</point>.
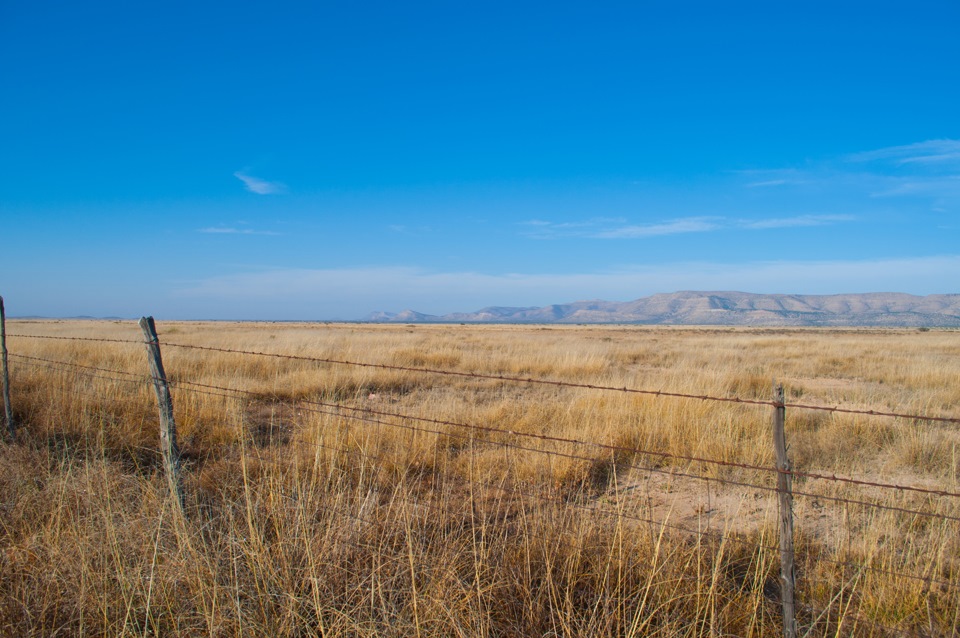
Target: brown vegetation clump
<point>324,498</point>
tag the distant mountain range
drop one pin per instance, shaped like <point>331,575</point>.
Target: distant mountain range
<point>721,308</point>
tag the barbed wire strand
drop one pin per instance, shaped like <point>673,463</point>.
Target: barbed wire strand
<point>528,380</point>
<point>586,443</point>
<point>795,473</point>
<point>596,445</point>
<point>605,446</point>
<point>626,464</point>
<point>568,384</point>
<point>89,374</point>
<point>559,500</point>
<point>572,440</point>
<point>691,531</point>
<point>418,502</point>
<point>667,456</point>
<point>53,363</point>
<point>594,509</point>
<point>670,472</point>
<point>88,339</point>
<point>709,532</point>
<point>374,457</point>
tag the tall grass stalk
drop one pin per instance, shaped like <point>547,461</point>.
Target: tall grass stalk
<point>303,520</point>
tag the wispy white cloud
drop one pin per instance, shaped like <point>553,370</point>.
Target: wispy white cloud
<point>542,229</point>
<point>673,227</point>
<point>928,152</point>
<point>925,175</point>
<point>354,292</point>
<point>947,186</point>
<point>602,229</point>
<point>223,230</point>
<point>260,186</point>
<point>797,221</point>
<point>770,178</point>
<point>768,182</point>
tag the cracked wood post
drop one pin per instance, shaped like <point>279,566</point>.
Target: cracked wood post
<point>168,428</point>
<point>785,494</point>
<point>7,408</point>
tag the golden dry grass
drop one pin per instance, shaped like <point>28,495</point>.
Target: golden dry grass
<point>303,520</point>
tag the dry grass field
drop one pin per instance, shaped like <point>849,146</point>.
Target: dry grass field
<point>343,500</point>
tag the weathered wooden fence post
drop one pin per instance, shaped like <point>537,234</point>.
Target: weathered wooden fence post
<point>785,494</point>
<point>7,408</point>
<point>168,428</point>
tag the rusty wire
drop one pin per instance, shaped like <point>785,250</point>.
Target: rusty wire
<point>528,380</point>
<point>86,371</point>
<point>578,442</point>
<point>632,517</point>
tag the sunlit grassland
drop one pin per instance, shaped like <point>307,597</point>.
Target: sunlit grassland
<point>303,519</point>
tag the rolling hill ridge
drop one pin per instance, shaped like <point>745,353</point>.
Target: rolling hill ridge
<point>721,308</point>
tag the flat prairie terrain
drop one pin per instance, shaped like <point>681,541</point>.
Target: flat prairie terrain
<point>450,480</point>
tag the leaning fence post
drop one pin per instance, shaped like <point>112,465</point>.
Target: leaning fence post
<point>784,487</point>
<point>7,409</point>
<point>168,428</point>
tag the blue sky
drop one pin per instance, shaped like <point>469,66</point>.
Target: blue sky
<point>323,160</point>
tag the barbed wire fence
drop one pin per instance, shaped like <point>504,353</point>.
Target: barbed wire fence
<point>640,461</point>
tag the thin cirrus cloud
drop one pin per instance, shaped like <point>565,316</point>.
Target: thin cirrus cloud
<point>260,186</point>
<point>224,230</point>
<point>929,169</point>
<point>944,188</point>
<point>925,175</point>
<point>594,230</point>
<point>616,228</point>
<point>797,222</point>
<point>768,182</point>
<point>673,227</point>
<point>770,178</point>
<point>943,151</point>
